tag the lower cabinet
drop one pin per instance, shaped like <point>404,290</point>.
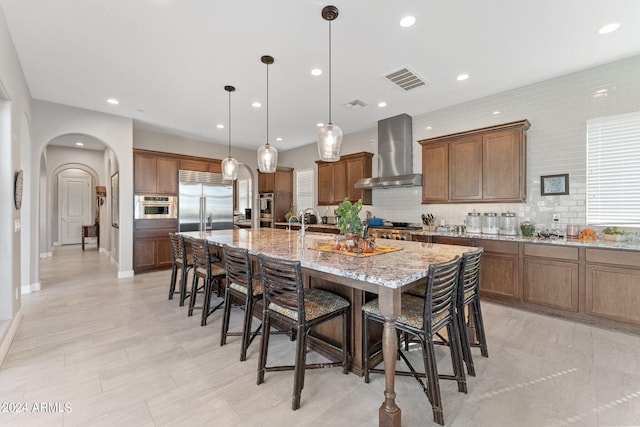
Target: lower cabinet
<point>499,269</point>
<point>613,285</point>
<point>151,245</point>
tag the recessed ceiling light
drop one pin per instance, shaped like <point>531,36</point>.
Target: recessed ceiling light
<point>382,104</point>
<point>256,105</point>
<point>278,139</point>
<point>495,113</point>
<point>316,72</point>
<point>462,77</point>
<point>113,101</point>
<point>79,144</point>
<point>220,126</point>
<point>609,28</point>
<point>407,21</point>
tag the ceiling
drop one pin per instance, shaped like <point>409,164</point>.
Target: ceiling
<point>167,61</point>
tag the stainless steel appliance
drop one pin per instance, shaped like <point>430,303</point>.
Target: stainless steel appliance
<point>395,231</point>
<point>265,204</point>
<point>154,207</point>
<point>205,202</point>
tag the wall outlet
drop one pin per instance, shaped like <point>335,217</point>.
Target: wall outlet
<point>556,217</point>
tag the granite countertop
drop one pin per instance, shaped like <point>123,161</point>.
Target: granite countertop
<point>297,224</point>
<point>601,244</point>
<point>392,270</point>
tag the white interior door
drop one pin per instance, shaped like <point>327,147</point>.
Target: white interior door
<point>74,202</point>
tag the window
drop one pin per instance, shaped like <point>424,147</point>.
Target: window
<point>613,170</point>
<point>244,194</point>
<point>304,188</point>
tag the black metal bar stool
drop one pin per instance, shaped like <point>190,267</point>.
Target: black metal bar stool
<point>424,318</point>
<point>180,261</point>
<point>209,268</point>
<point>243,289</point>
<point>469,298</point>
<point>301,309</point>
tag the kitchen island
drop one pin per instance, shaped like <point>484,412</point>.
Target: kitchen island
<point>386,275</point>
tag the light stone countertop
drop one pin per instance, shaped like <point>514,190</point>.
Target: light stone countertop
<point>392,270</point>
<point>297,224</point>
<point>600,244</point>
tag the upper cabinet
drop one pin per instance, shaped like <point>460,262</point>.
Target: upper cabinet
<point>155,174</point>
<point>336,180</point>
<point>483,165</point>
<point>280,181</point>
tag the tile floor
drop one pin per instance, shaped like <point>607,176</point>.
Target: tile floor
<point>94,350</point>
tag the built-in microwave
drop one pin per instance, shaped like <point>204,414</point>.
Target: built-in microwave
<point>151,207</point>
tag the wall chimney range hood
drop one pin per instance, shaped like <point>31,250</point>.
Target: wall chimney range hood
<point>395,155</point>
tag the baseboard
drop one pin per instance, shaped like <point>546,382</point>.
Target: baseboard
<point>9,334</point>
<point>125,274</point>
<point>57,244</point>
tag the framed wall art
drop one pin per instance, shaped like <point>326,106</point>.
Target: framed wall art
<point>554,185</point>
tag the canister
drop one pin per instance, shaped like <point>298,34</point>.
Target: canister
<point>509,224</point>
<point>474,222</point>
<point>490,223</point>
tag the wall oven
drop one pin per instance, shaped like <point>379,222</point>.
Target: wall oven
<point>155,207</point>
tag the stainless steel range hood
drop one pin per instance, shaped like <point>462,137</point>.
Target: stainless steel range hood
<point>395,155</point>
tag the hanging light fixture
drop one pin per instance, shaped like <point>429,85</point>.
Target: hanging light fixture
<point>230,165</point>
<point>329,135</point>
<point>267,154</point>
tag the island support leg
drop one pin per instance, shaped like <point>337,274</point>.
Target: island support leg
<point>389,414</point>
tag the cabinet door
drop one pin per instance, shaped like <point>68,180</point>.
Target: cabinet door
<point>502,170</point>
<point>283,181</point>
<point>167,175</point>
<point>613,292</point>
<point>144,172</point>
<point>356,169</point>
<point>266,182</point>
<point>164,257</point>
<point>339,182</point>
<point>215,166</point>
<point>499,276</point>
<point>194,165</point>
<point>325,196</point>
<point>144,253</point>
<point>435,172</point>
<point>551,283</point>
<point>465,168</point>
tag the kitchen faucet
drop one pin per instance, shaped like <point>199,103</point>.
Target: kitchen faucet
<point>301,217</point>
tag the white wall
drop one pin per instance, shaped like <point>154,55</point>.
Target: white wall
<point>557,109</point>
<point>52,120</point>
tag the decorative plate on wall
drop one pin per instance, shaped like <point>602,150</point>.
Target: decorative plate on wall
<point>17,189</point>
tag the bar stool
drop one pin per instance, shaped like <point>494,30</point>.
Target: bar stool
<point>301,309</point>
<point>243,289</point>
<point>207,267</point>
<point>424,318</point>
<point>180,261</point>
<point>468,296</point>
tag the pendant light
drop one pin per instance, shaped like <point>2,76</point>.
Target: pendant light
<point>329,135</point>
<point>267,154</point>
<point>230,165</point>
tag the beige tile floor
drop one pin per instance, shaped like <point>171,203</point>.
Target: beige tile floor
<point>114,352</point>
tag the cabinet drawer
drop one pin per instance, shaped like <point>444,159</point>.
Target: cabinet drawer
<point>460,241</point>
<point>549,251</point>
<point>616,257</point>
<point>498,247</point>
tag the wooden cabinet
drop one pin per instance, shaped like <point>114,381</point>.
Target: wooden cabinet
<point>483,165</point>
<point>279,181</point>
<point>151,244</point>
<point>550,276</point>
<point>435,172</point>
<point>155,174</point>
<point>613,285</point>
<point>499,277</point>
<point>336,180</point>
<point>194,165</point>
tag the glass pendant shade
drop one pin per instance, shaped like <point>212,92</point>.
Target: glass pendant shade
<point>329,142</point>
<point>267,158</point>
<point>230,169</point>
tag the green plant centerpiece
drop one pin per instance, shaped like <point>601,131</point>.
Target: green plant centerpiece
<point>614,234</point>
<point>349,221</point>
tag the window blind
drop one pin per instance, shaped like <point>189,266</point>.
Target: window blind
<point>304,188</point>
<point>613,170</point>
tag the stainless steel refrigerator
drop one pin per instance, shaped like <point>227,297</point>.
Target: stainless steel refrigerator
<point>205,202</point>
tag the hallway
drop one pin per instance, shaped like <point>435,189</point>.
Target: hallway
<point>101,351</point>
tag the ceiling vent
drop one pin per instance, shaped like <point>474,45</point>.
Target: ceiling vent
<point>406,78</point>
<point>356,104</point>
